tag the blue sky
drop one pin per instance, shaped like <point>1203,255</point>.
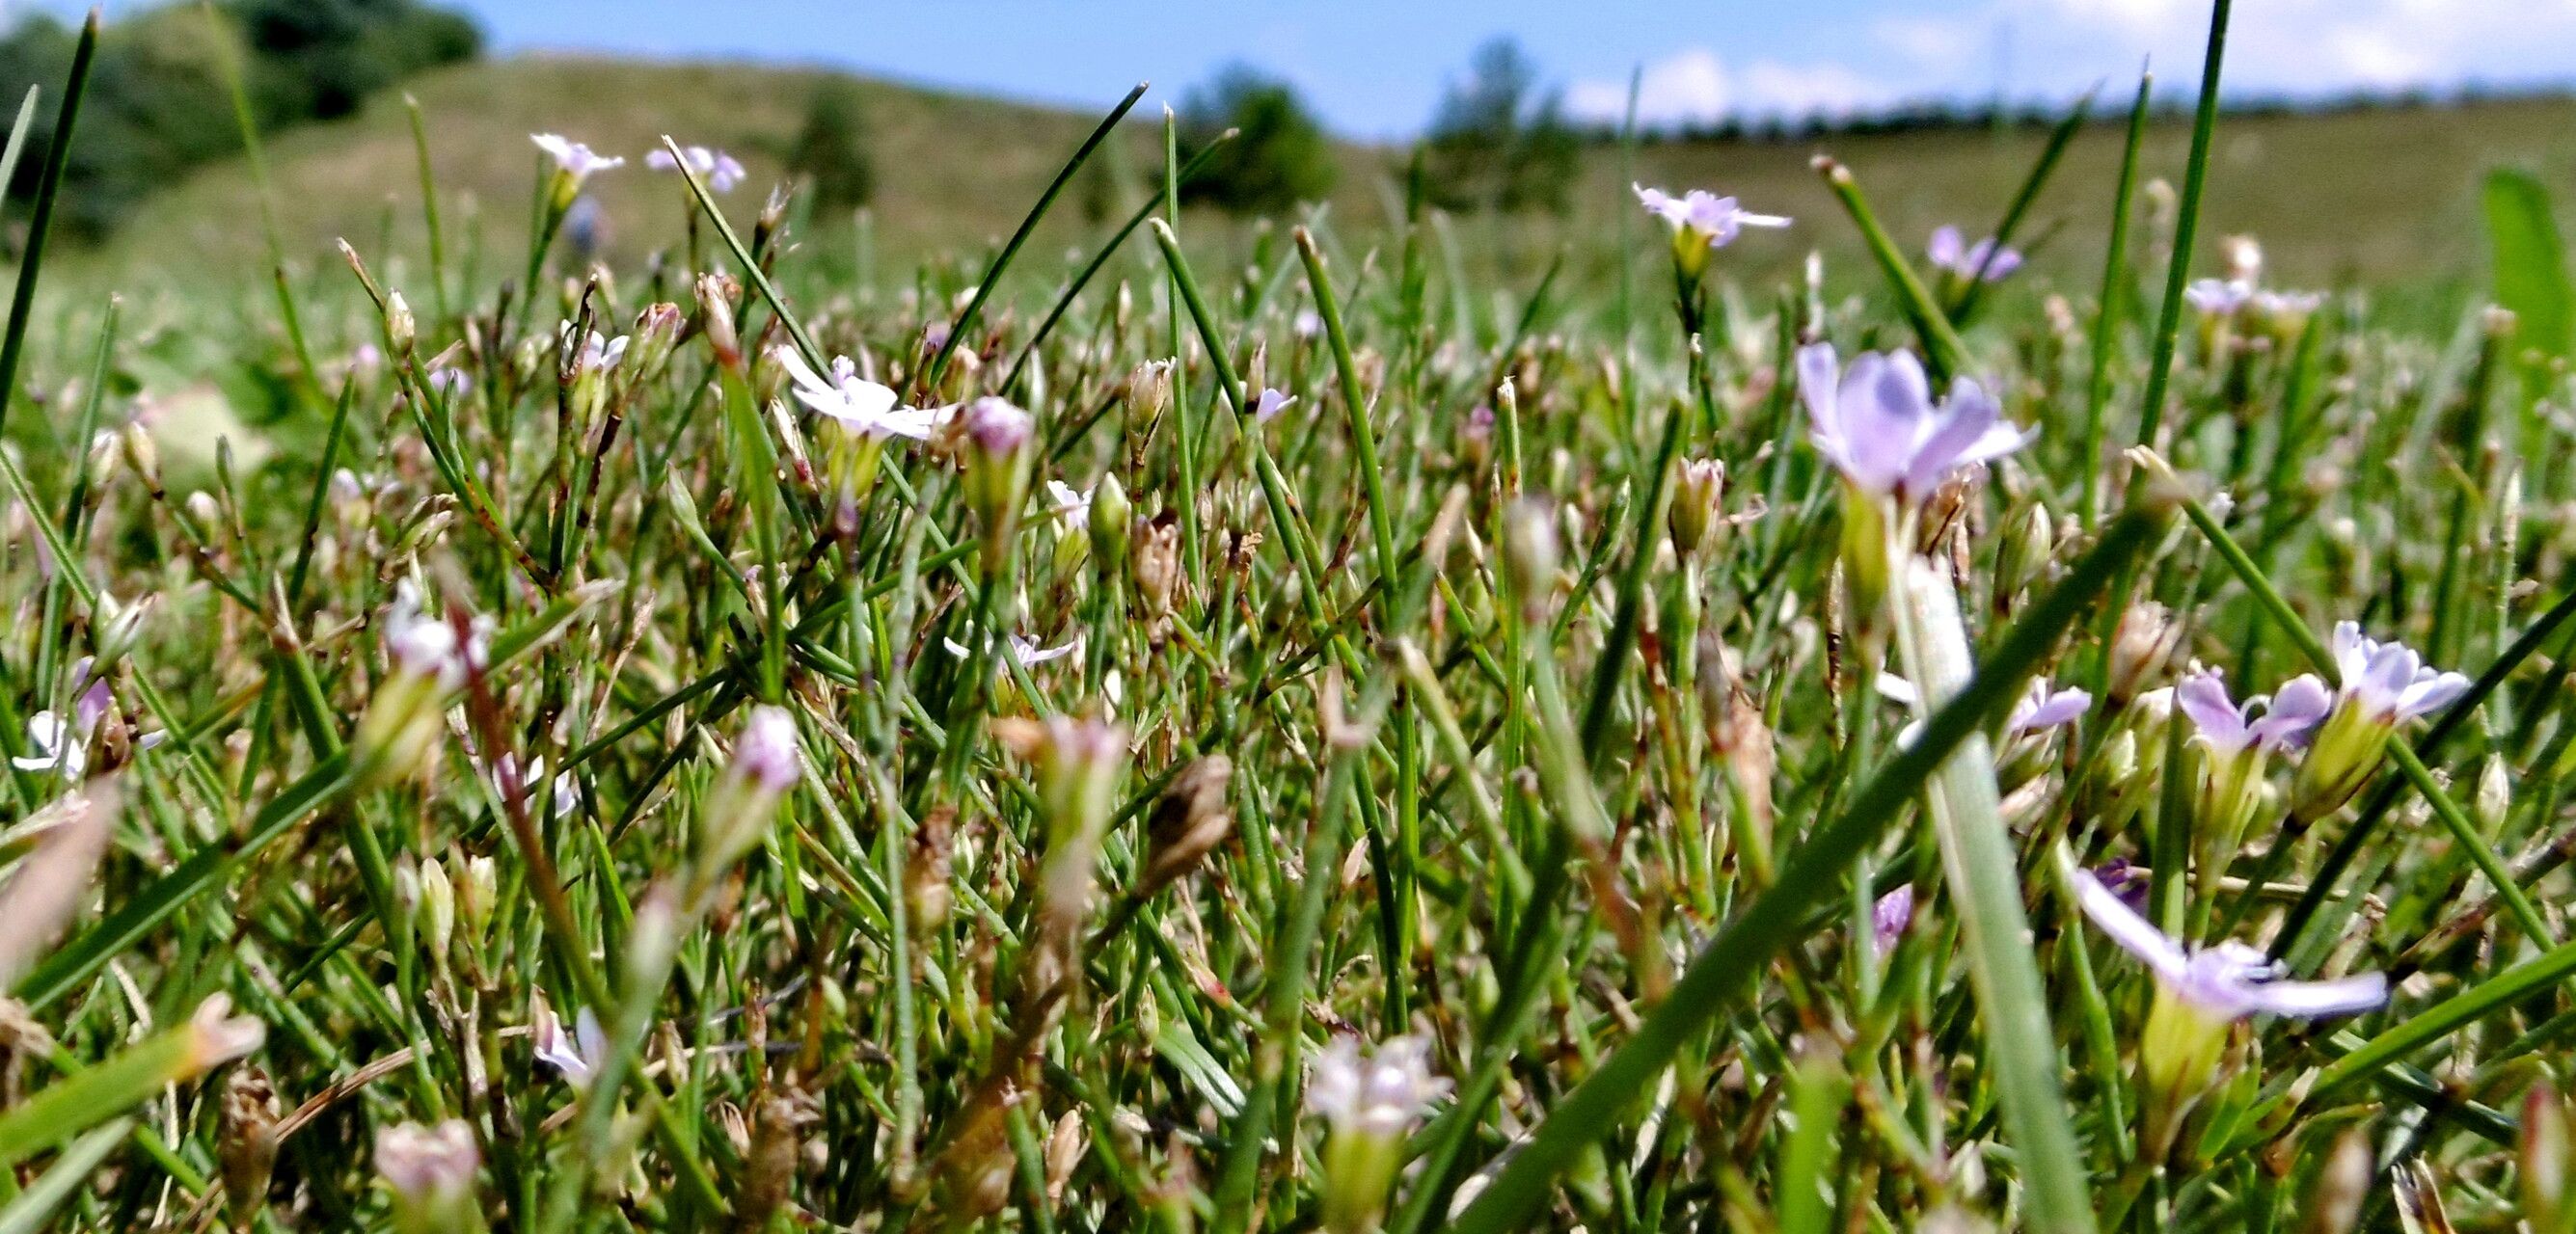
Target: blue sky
<point>1376,67</point>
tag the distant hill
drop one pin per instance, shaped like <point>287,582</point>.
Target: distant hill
<point>2388,195</point>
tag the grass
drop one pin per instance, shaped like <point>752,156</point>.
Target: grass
<point>1036,825</point>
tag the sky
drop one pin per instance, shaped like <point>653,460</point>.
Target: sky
<point>1376,68</point>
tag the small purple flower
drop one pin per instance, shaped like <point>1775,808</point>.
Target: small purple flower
<point>2230,981</point>
<point>572,158</point>
<point>1710,219</point>
<point>767,750</point>
<point>2389,681</point>
<point>2288,716</point>
<point>1889,917</point>
<point>1269,404</point>
<point>1968,261</point>
<point>2218,298</point>
<point>2045,708</point>
<point>717,168</point>
<point>1880,427</point>
<point>997,427</point>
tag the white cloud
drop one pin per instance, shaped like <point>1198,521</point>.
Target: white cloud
<point>1694,85</point>
<point>1688,85</point>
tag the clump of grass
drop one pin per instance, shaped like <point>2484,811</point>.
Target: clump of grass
<point>695,747</point>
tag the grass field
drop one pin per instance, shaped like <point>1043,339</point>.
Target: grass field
<point>1329,731</point>
<point>2384,198</point>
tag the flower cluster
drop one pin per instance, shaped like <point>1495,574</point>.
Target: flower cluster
<point>720,170</point>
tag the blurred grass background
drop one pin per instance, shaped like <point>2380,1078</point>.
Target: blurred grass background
<point>2384,196</point>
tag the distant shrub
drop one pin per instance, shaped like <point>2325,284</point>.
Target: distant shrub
<point>1280,155</point>
<point>157,103</point>
<point>1500,140</point>
<point>831,150</point>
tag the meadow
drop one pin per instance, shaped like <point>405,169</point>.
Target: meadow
<point>1708,721</point>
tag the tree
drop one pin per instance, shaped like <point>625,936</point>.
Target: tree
<point>1279,156</point>
<point>1499,140</point>
<point>831,151</point>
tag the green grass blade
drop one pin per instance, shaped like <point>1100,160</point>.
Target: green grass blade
<point>2151,408</point>
<point>31,260</point>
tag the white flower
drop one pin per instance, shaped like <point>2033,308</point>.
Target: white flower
<point>574,1056</point>
<point>62,745</point>
<point>423,643</point>
<point>1381,1095</point>
<point>2230,981</point>
<point>1070,504</point>
<point>573,158</point>
<point>2389,681</point>
<point>1880,427</point>
<point>1706,217</point>
<point>594,352</point>
<point>55,747</point>
<point>1024,651</point>
<point>716,167</point>
<point>861,406</point>
<point>2288,715</point>
<point>1269,404</point>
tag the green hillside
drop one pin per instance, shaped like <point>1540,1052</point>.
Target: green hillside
<point>2387,195</point>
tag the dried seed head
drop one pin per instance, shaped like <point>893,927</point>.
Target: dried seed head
<point>1158,568</point>
<point>770,1160</point>
<point>2141,649</point>
<point>1189,822</point>
<point>247,1148</point>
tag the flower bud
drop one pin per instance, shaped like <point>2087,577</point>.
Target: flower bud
<point>400,329</point>
<point>1077,765</point>
<point>437,909</point>
<point>430,1171</point>
<point>1699,502</point>
<point>1149,391</point>
<point>399,736</point>
<point>767,764</point>
<point>2343,1185</point>
<point>656,335</point>
<point>2140,650</point>
<point>478,892</point>
<point>141,455</point>
<point>715,312</point>
<point>998,441</point>
<point>1530,552</point>
<point>2547,1152</point>
<point>1111,522</point>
